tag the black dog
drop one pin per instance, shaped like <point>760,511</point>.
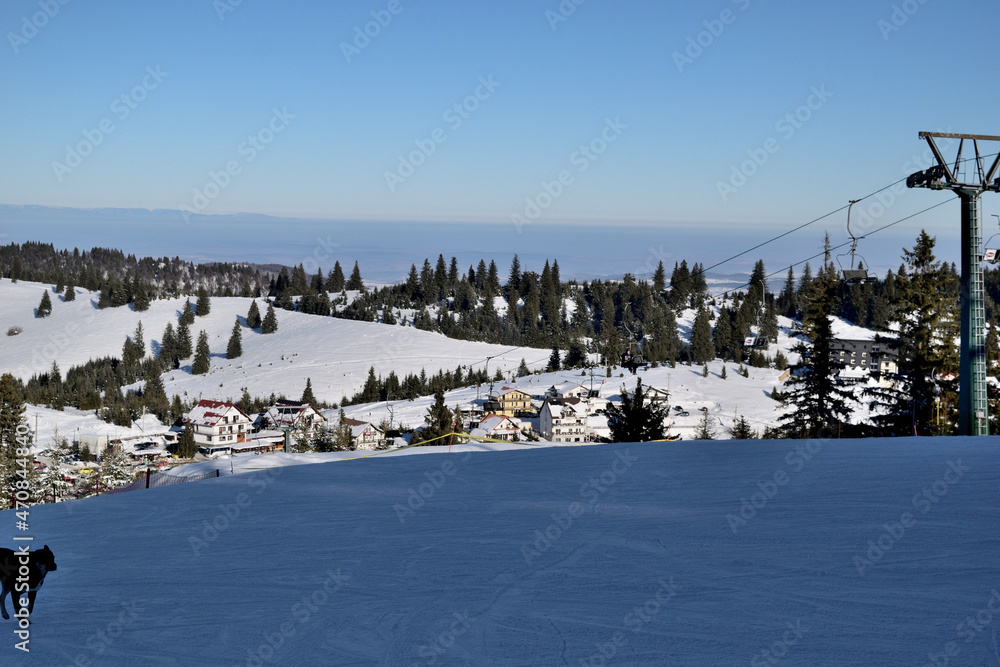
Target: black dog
<point>39,563</point>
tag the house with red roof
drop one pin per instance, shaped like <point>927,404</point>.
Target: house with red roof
<point>216,423</point>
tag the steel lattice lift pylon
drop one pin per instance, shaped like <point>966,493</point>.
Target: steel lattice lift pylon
<point>973,412</point>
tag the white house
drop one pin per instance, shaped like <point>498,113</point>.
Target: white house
<point>216,423</point>
<point>498,427</point>
<point>365,435</point>
<point>563,419</point>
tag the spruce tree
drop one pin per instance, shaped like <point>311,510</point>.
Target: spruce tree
<point>204,302</point>
<point>438,422</point>
<point>355,282</point>
<point>636,420</point>
<point>702,348</point>
<point>659,279</point>
<point>45,306</point>
<point>253,315</point>
<point>335,282</point>
<point>821,406</point>
<point>706,428</point>
<point>70,294</point>
<point>927,329</point>
<point>523,370</point>
<point>235,347</point>
<point>186,447</point>
<point>185,346</point>
<point>742,430</point>
<point>554,363</point>
<point>307,394</point>
<point>140,295</point>
<point>187,313</point>
<point>202,355</point>
<point>154,397</point>
<point>270,322</point>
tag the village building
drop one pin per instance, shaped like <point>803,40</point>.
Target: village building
<point>215,423</point>
<point>498,427</point>
<point>563,420</point>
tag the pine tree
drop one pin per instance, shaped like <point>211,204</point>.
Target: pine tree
<point>270,323</point>
<point>45,307</point>
<point>202,355</point>
<point>186,446</point>
<point>116,469</point>
<point>554,364</point>
<point>636,420</point>
<point>204,302</point>
<point>253,315</point>
<point>185,346</point>
<point>11,419</point>
<point>140,295</point>
<point>820,405</point>
<point>187,313</point>
<point>925,344</point>
<point>307,394</point>
<point>355,282</point>
<point>523,370</point>
<point>235,347</point>
<point>742,430</point>
<point>706,428</point>
<point>154,396</point>
<point>70,294</point>
<point>702,348</point>
<point>659,279</point>
<point>439,421</point>
<point>335,282</point>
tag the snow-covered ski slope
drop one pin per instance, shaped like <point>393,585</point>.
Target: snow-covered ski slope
<point>837,552</point>
<point>334,353</point>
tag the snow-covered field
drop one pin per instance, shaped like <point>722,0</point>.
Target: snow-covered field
<point>334,353</point>
<point>839,552</point>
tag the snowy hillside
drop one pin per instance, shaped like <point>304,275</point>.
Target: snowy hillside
<point>877,552</point>
<point>336,354</point>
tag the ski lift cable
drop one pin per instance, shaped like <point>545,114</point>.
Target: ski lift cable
<point>815,220</point>
<point>832,248</point>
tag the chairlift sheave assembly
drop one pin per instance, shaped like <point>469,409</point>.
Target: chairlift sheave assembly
<point>854,275</point>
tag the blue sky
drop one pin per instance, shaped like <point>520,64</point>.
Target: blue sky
<point>670,100</point>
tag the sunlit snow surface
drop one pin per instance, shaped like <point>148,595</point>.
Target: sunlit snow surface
<point>539,556</point>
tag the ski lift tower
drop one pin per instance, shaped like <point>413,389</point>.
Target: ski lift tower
<point>972,406</point>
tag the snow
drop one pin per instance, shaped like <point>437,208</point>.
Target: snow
<point>539,556</point>
<point>334,353</point>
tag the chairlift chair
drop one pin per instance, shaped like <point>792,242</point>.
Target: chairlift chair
<point>854,275</point>
<point>992,255</point>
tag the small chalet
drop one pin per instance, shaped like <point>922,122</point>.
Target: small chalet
<point>365,435</point>
<point>217,423</point>
<point>563,420</point>
<point>657,396</point>
<point>498,427</point>
<point>295,415</point>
